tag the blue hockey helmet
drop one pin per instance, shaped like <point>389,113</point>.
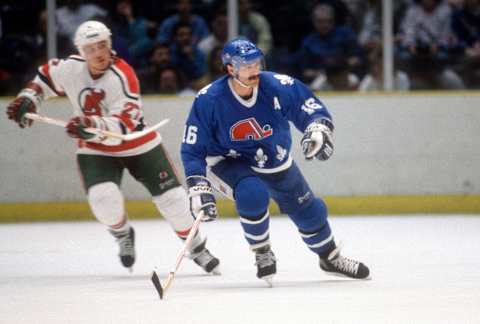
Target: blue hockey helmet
<point>240,51</point>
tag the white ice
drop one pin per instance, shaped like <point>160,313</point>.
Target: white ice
<point>425,269</point>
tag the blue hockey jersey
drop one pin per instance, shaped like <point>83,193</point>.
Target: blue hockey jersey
<point>255,131</point>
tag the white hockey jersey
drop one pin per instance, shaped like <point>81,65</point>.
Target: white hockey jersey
<point>115,97</point>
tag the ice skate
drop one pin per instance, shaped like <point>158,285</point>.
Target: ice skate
<point>126,241</point>
<point>336,264</point>
<point>201,256</point>
<point>266,264</point>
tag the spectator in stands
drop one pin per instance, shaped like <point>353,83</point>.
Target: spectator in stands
<point>373,81</point>
<point>159,59</point>
<point>40,39</point>
<point>342,14</point>
<point>254,26</point>
<point>170,82</point>
<point>370,36</point>
<point>187,57</point>
<point>356,13</point>
<point>161,56</point>
<point>466,27</point>
<point>330,54</point>
<point>426,39</point>
<point>197,24</point>
<point>73,13</point>
<point>218,36</point>
<point>215,65</point>
<point>134,30</point>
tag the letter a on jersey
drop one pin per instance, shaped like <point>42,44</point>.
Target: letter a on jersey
<point>249,129</point>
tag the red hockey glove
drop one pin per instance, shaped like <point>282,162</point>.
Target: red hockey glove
<point>17,109</point>
<point>76,127</point>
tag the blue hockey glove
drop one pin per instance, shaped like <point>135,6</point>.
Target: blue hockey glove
<point>200,194</point>
<point>318,140</point>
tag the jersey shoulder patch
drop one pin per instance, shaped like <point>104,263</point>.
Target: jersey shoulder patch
<point>283,79</point>
<point>276,83</point>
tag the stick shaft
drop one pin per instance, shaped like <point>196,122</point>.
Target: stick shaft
<point>124,137</point>
<point>45,119</point>
<point>181,255</point>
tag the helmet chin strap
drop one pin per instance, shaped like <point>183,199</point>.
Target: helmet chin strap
<point>235,78</point>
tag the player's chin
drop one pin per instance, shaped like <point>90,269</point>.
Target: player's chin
<point>102,66</point>
<point>253,82</point>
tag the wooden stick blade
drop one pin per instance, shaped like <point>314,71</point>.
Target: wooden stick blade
<point>157,284</point>
<point>162,290</point>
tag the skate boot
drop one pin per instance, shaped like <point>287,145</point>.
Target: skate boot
<point>201,256</point>
<point>126,241</point>
<point>336,264</point>
<point>266,263</point>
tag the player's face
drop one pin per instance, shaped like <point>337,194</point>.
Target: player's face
<point>98,56</point>
<point>249,73</point>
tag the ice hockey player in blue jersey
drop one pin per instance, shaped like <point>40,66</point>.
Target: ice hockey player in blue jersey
<point>237,140</point>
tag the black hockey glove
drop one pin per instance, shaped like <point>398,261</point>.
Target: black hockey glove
<point>200,194</point>
<point>318,140</point>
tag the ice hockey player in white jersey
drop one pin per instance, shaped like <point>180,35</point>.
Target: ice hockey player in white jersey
<point>240,125</point>
<point>104,92</point>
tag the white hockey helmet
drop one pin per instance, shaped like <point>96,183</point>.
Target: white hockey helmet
<point>91,32</point>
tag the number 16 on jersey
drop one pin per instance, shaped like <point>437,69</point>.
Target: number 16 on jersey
<point>190,134</point>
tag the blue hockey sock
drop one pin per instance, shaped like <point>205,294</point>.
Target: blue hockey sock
<point>319,241</point>
<point>257,230</point>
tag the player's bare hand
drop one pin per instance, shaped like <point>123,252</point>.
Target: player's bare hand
<point>17,109</point>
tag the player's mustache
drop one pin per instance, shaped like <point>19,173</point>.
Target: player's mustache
<point>253,77</point>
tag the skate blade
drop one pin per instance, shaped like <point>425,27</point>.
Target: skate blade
<point>340,275</point>
<point>268,280</point>
<point>130,270</point>
<point>216,271</point>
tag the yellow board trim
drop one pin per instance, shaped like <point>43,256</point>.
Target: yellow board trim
<point>140,209</point>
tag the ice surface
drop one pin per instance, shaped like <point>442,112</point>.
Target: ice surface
<point>425,269</point>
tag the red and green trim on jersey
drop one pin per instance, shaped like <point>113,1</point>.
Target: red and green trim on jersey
<point>124,146</point>
<point>128,78</point>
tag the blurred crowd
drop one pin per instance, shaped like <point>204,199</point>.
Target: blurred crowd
<point>175,46</point>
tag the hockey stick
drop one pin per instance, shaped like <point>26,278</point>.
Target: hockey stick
<point>162,290</point>
<point>124,137</point>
